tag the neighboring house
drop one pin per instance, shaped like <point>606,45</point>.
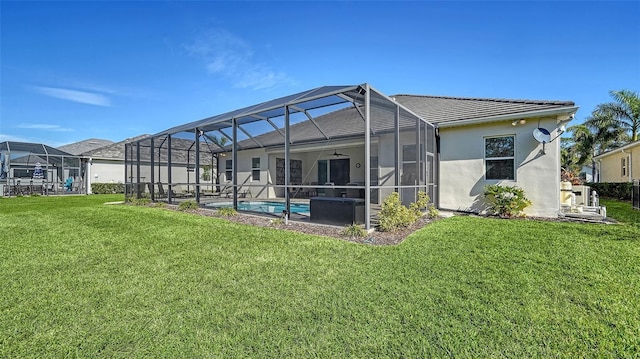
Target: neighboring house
<point>586,174</point>
<point>621,164</point>
<point>465,144</point>
<point>78,148</point>
<point>35,164</point>
<point>105,164</point>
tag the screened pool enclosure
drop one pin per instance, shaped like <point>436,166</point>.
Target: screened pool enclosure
<point>34,168</point>
<point>348,143</point>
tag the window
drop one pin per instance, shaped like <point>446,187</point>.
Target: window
<point>499,154</point>
<point>255,169</point>
<point>623,166</point>
<point>409,171</point>
<point>229,170</point>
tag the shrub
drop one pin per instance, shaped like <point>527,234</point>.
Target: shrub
<point>107,188</point>
<point>615,190</point>
<point>394,215</point>
<point>421,203</point>
<point>506,201</point>
<point>227,212</point>
<point>433,212</point>
<point>354,231</point>
<point>277,222</point>
<point>188,206</point>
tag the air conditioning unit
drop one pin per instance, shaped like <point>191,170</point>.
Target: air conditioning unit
<point>583,195</point>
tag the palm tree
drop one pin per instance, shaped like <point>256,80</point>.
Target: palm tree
<point>625,110</point>
<point>569,158</point>
<point>598,134</point>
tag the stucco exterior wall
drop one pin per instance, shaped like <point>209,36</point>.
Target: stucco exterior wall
<point>112,171</point>
<point>462,167</point>
<point>611,165</point>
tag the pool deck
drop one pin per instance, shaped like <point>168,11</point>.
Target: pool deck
<point>205,200</point>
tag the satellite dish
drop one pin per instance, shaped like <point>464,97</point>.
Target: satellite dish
<point>542,135</point>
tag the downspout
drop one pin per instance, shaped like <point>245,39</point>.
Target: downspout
<point>87,173</point>
<point>628,164</point>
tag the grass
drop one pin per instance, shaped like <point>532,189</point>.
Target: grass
<point>83,279</point>
<point>621,211</point>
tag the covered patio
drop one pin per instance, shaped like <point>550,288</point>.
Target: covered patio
<point>329,145</point>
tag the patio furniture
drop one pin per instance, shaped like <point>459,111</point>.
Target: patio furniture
<point>354,192</point>
<point>337,210</point>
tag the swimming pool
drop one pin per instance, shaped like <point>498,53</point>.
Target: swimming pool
<point>265,207</point>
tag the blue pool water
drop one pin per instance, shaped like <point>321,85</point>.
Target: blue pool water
<point>265,207</point>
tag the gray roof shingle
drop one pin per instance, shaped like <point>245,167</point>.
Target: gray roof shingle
<point>80,147</point>
<point>347,122</point>
<point>441,109</point>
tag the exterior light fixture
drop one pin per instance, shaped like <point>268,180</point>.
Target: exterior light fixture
<point>521,121</point>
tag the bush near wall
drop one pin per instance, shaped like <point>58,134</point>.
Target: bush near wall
<point>107,188</point>
<point>621,190</point>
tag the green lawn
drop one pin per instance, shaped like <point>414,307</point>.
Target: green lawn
<point>83,279</point>
<point>621,211</point>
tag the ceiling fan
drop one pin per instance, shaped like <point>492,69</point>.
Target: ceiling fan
<point>335,153</point>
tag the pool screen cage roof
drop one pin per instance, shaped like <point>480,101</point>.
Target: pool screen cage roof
<point>323,120</point>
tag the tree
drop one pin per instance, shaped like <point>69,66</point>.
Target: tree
<point>599,133</point>
<point>625,110</point>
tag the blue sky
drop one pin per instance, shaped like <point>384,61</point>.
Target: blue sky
<point>113,70</point>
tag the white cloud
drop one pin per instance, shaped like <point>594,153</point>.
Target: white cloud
<point>85,97</point>
<point>229,56</point>
<point>45,127</point>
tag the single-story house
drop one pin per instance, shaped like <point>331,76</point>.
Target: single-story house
<point>354,139</point>
<point>105,163</point>
<point>621,164</point>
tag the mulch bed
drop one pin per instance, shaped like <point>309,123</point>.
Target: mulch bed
<point>374,238</point>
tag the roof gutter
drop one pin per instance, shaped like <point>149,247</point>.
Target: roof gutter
<point>509,117</point>
<point>620,149</point>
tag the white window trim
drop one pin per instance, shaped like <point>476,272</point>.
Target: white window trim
<point>484,154</point>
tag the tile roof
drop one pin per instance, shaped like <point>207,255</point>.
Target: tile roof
<point>115,151</point>
<point>441,109</point>
<point>111,151</point>
<point>347,122</point>
<point>79,147</point>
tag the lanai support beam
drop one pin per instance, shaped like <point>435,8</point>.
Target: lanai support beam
<point>153,181</point>
<point>251,137</point>
<point>169,186</point>
<point>287,166</point>
<point>235,164</point>
<point>138,195</point>
<point>197,169</point>
<point>306,113</point>
<point>367,158</point>
<point>397,150</point>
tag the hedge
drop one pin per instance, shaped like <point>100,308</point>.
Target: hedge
<point>621,190</point>
<point>107,188</point>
